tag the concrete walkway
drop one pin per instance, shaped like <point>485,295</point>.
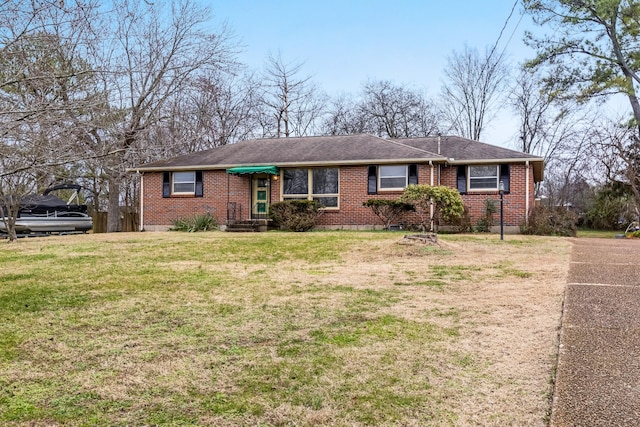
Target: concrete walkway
<point>598,375</point>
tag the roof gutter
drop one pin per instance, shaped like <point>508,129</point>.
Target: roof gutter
<point>453,161</point>
<point>287,164</point>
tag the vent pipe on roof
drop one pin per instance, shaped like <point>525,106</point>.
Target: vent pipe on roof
<point>438,143</point>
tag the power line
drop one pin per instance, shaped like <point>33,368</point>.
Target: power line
<point>493,49</point>
<point>504,27</point>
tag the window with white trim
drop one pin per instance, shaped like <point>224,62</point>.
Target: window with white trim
<point>483,177</point>
<point>183,183</point>
<point>319,184</point>
<point>393,177</point>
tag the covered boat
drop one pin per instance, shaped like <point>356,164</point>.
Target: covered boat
<point>47,213</point>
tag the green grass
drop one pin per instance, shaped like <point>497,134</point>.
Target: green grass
<point>220,329</point>
<point>604,234</point>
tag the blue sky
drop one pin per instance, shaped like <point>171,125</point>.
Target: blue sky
<point>344,43</point>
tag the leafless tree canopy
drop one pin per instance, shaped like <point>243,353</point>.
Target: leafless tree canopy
<point>47,95</point>
<point>90,88</point>
<point>86,89</point>
<point>291,103</point>
<point>554,128</point>
<point>385,109</point>
<point>472,90</point>
<point>156,52</point>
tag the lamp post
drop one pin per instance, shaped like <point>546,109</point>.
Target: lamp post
<point>501,210</point>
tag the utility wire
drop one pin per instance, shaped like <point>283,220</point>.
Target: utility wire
<point>493,49</point>
<point>504,27</point>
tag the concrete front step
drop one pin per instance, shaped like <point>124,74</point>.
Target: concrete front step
<point>248,226</point>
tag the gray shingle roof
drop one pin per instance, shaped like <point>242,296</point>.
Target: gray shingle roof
<point>342,150</point>
<point>304,151</point>
<point>457,149</point>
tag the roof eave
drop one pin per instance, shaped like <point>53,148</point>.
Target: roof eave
<point>286,164</point>
<point>453,161</point>
<point>537,162</point>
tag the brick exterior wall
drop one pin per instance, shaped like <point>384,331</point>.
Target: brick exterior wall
<point>515,203</point>
<point>221,188</point>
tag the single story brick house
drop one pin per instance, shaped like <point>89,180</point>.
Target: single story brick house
<point>239,181</point>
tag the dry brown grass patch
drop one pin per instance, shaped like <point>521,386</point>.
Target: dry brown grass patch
<point>279,329</point>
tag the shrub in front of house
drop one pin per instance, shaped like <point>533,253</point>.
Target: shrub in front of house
<point>206,222</point>
<point>551,221</point>
<point>446,201</point>
<point>487,221</point>
<point>462,224</point>
<point>295,215</point>
<point>388,210</point>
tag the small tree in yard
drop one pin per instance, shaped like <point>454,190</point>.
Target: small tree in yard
<point>388,210</point>
<point>434,203</point>
<point>487,221</point>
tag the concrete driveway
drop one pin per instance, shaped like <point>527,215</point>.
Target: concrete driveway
<point>598,375</point>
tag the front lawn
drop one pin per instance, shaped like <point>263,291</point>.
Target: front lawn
<point>276,329</point>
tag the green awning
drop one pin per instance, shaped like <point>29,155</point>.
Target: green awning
<point>241,170</point>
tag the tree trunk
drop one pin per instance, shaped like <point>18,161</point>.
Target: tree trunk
<point>633,100</point>
<point>10,223</point>
<point>113,216</point>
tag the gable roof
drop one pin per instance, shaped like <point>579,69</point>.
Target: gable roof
<point>344,150</point>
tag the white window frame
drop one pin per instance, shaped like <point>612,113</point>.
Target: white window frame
<point>470,179</point>
<point>381,187</point>
<point>183,181</point>
<point>310,195</point>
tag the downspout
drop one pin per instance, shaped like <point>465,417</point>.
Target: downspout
<point>431,183</point>
<point>431,179</point>
<point>141,226</point>
<point>526,203</point>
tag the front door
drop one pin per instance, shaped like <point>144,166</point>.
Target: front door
<point>260,196</point>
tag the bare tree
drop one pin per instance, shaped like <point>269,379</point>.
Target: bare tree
<point>569,171</point>
<point>157,50</point>
<point>395,111</point>
<point>618,155</point>
<point>15,183</point>
<point>218,108</point>
<point>343,118</point>
<point>46,95</point>
<point>384,109</point>
<point>293,104</point>
<point>553,128</point>
<point>471,94</point>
